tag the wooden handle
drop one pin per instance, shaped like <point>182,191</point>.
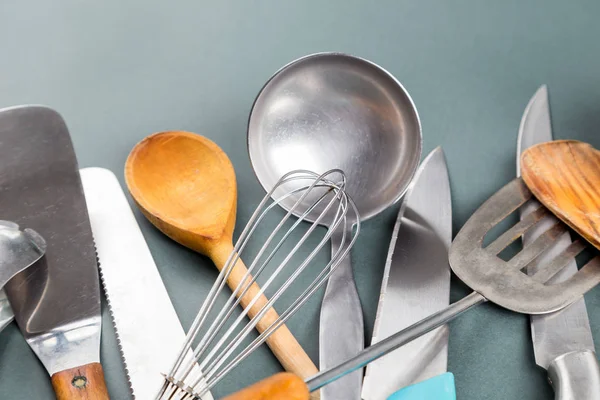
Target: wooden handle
<point>282,343</point>
<point>282,386</point>
<point>80,383</point>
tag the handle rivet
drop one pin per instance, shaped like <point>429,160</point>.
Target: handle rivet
<point>79,382</point>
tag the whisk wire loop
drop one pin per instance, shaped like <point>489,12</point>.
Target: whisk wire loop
<point>219,349</point>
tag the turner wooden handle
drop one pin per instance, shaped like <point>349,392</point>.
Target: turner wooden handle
<point>283,344</point>
<point>80,383</point>
<point>283,386</point>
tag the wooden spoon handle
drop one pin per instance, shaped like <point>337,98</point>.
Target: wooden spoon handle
<point>283,344</point>
<point>282,386</point>
<point>80,383</point>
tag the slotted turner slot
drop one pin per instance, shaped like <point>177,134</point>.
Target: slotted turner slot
<point>505,281</point>
<point>543,273</point>
<point>531,251</point>
<point>586,255</point>
<point>514,233</point>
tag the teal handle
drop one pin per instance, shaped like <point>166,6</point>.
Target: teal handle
<point>440,387</point>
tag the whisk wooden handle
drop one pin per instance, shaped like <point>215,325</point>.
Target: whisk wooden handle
<point>283,344</point>
<point>283,386</point>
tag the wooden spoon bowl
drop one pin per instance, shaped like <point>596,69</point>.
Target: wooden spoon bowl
<point>565,176</point>
<point>185,185</point>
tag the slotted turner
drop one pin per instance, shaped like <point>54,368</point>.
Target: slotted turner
<point>505,282</point>
<point>491,277</point>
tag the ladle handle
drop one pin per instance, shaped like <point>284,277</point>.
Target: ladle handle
<point>263,390</point>
<point>396,340</point>
<point>283,344</point>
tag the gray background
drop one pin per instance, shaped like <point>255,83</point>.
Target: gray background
<point>120,70</point>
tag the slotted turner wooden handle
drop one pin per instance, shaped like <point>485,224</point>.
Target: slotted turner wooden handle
<point>565,176</point>
<point>282,386</point>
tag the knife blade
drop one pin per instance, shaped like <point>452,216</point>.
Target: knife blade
<point>416,283</point>
<point>56,302</point>
<point>562,341</point>
<point>148,329</point>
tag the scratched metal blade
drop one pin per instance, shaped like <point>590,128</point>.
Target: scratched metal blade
<point>57,302</point>
<point>6,314</point>
<point>567,330</point>
<point>416,283</point>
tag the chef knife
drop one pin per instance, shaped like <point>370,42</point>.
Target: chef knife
<point>416,284</point>
<point>56,302</point>
<point>149,332</point>
<point>562,341</point>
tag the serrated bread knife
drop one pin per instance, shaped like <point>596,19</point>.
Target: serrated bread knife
<point>149,332</point>
<point>416,284</point>
<point>56,301</point>
<point>562,341</point>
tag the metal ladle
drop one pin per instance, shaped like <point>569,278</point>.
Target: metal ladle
<point>326,111</point>
<point>18,251</point>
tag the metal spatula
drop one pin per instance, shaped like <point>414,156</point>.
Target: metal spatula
<point>504,282</point>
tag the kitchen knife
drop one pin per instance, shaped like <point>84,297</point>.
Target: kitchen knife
<point>416,284</point>
<point>562,341</point>
<point>56,302</point>
<point>149,332</point>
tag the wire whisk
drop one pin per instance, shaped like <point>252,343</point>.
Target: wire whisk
<point>217,344</point>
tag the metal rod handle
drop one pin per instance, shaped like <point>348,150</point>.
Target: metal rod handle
<point>391,343</point>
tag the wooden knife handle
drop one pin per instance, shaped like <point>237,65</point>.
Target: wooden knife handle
<point>80,383</point>
<point>282,386</point>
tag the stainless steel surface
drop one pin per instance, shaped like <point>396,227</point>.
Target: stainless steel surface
<point>536,124</point>
<point>566,331</point>
<point>57,301</point>
<point>219,343</point>
<point>416,283</point>
<point>576,376</point>
<point>6,314</point>
<point>327,111</point>
<point>18,250</point>
<point>489,275</point>
<point>148,329</point>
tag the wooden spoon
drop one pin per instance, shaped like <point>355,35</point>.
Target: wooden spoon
<point>565,176</point>
<point>185,185</point>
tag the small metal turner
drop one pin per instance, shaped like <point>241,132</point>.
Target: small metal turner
<point>18,251</point>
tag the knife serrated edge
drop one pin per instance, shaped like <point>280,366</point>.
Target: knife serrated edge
<point>112,319</point>
<point>126,254</point>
